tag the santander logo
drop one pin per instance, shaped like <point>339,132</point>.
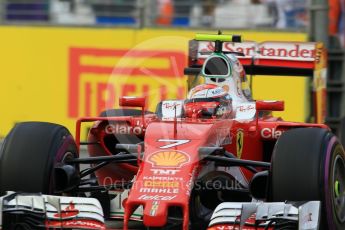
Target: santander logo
<point>300,51</point>
<point>68,212</point>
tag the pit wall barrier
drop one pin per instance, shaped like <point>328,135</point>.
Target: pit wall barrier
<point>59,74</point>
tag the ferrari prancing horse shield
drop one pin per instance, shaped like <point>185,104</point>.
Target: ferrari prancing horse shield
<point>239,143</point>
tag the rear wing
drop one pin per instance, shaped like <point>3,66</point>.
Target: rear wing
<point>307,59</point>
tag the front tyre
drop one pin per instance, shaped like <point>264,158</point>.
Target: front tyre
<point>29,154</point>
<point>309,164</point>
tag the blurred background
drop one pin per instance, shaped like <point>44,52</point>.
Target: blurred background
<point>63,59</point>
<point>283,14</point>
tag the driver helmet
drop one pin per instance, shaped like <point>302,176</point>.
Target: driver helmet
<point>208,100</point>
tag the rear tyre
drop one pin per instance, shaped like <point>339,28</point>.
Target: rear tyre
<point>103,196</point>
<point>29,154</point>
<point>341,132</point>
<point>112,140</point>
<point>309,164</point>
<point>209,191</point>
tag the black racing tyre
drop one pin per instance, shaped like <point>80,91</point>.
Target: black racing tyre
<point>208,192</point>
<point>122,112</point>
<point>309,164</point>
<point>341,132</point>
<point>28,156</point>
<point>103,197</point>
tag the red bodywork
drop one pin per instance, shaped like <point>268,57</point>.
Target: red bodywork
<point>171,163</point>
<point>147,189</point>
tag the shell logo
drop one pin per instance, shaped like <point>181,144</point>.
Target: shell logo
<point>168,159</point>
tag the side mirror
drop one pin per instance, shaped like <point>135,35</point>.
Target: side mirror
<point>270,105</point>
<point>132,101</point>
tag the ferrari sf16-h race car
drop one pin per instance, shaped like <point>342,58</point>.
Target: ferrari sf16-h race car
<point>216,160</point>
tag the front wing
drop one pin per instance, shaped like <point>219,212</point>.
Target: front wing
<point>277,215</point>
<point>36,211</point>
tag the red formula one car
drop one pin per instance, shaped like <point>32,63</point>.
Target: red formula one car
<point>216,160</point>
